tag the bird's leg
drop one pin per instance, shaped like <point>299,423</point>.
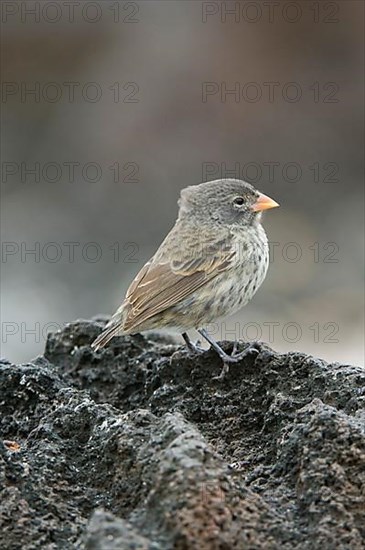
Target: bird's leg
<point>235,357</point>
<point>193,348</point>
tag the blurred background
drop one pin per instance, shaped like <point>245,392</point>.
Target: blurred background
<point>109,109</point>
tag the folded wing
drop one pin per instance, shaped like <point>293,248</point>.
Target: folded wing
<point>178,269</point>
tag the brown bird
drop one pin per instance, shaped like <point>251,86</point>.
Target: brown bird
<point>210,265</point>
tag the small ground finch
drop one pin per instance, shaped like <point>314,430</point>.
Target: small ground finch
<point>210,265</point>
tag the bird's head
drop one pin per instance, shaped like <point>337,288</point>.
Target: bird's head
<point>227,202</point>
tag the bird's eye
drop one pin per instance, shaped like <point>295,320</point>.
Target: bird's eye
<point>239,201</point>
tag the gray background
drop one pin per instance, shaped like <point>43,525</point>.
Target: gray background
<point>173,136</point>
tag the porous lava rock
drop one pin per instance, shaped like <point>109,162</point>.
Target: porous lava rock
<point>140,446</point>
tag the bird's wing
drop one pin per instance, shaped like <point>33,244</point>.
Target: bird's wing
<point>173,274</point>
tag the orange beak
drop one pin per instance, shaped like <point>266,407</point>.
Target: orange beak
<point>263,203</point>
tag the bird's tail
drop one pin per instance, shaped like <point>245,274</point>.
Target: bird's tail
<point>113,328</point>
<point>110,331</point>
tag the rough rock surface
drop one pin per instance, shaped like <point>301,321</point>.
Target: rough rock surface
<point>138,446</point>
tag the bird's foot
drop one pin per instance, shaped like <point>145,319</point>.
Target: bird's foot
<point>234,357</point>
<point>192,348</point>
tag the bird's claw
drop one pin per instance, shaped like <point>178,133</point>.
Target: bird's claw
<point>196,348</point>
<point>236,357</point>
<point>192,348</point>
